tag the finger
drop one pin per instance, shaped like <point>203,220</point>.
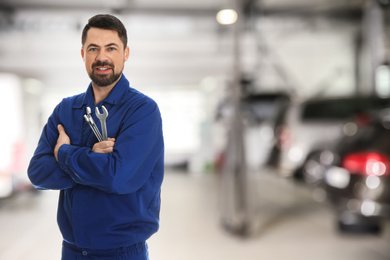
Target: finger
<point>103,147</point>
<point>103,150</point>
<point>108,143</point>
<point>108,150</point>
<point>61,129</point>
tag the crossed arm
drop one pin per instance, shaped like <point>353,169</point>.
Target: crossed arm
<point>100,147</point>
<point>139,150</point>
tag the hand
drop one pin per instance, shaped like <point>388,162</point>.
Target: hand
<point>104,146</point>
<point>63,138</point>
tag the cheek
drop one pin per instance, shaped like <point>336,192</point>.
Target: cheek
<point>119,62</point>
<point>88,63</point>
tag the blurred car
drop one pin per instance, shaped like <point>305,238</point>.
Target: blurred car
<point>262,114</point>
<point>316,125</point>
<point>356,174</point>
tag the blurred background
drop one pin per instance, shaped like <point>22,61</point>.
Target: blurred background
<point>276,122</point>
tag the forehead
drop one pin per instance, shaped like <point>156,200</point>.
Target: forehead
<point>102,37</point>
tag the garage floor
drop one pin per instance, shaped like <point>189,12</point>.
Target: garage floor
<point>288,224</point>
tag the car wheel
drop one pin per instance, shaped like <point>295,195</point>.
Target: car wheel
<point>349,222</point>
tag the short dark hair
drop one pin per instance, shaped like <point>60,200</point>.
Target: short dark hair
<point>107,22</point>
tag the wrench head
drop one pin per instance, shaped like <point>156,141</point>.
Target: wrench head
<point>103,115</point>
<point>88,110</point>
<point>87,119</point>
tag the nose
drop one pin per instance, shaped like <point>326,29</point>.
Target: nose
<point>102,56</point>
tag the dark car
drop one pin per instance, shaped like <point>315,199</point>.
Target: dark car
<point>317,124</point>
<point>356,174</point>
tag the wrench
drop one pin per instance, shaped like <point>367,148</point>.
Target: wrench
<point>88,117</point>
<point>92,124</point>
<point>102,117</point>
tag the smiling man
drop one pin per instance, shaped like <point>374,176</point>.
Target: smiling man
<point>110,190</point>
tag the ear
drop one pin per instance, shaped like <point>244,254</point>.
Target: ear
<point>82,53</point>
<point>127,53</point>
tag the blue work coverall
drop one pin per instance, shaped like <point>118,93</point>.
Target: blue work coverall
<point>109,204</point>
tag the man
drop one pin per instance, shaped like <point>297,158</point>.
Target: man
<point>110,190</point>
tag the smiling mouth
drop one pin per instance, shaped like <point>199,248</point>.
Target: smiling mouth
<point>102,70</point>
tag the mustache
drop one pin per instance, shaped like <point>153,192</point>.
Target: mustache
<point>102,64</point>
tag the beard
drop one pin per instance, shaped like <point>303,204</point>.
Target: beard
<point>104,80</point>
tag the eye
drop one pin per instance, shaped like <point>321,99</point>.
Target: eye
<point>92,49</point>
<point>111,48</point>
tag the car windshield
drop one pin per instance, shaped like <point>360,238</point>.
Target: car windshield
<point>340,109</point>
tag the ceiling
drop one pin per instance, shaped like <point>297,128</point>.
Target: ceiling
<point>173,42</point>
<point>188,6</point>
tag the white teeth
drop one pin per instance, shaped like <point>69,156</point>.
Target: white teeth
<point>102,68</point>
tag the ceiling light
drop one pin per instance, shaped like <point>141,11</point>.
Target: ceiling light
<point>227,16</point>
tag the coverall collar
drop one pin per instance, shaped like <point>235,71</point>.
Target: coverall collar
<point>117,94</point>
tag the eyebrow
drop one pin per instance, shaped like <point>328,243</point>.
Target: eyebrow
<point>107,45</point>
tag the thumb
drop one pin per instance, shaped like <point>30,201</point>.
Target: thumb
<point>61,129</point>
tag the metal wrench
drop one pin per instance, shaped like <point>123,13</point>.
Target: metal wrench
<point>102,117</point>
<point>93,126</point>
<point>88,117</point>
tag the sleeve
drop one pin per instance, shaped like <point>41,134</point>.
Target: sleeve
<point>44,171</point>
<point>137,151</point>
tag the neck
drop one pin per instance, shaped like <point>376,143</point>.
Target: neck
<point>101,93</point>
